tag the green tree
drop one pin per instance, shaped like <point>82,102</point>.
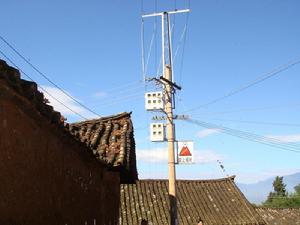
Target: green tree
<point>276,198</point>
<point>297,189</point>
<point>279,198</point>
<point>279,187</point>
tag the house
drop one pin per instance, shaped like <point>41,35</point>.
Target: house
<point>277,216</point>
<point>53,173</point>
<point>214,202</point>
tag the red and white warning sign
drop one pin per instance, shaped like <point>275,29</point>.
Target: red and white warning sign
<point>185,152</point>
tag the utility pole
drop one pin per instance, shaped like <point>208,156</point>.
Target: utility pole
<point>169,87</point>
<point>171,146</point>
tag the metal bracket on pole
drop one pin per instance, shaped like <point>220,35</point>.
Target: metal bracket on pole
<point>170,12</point>
<point>176,117</point>
<point>170,83</point>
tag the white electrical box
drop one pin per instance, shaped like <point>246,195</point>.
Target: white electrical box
<point>157,132</point>
<point>154,100</point>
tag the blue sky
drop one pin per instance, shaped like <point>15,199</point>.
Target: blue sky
<point>93,51</point>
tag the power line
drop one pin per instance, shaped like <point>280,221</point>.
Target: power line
<point>131,98</point>
<point>150,47</point>
<point>259,137</point>
<point>248,85</point>
<point>143,46</point>
<point>43,89</point>
<point>294,105</point>
<point>155,59</point>
<point>249,136</point>
<point>259,122</point>
<point>48,79</point>
<point>118,100</point>
<point>183,49</point>
<point>153,39</point>
<point>134,85</point>
<point>181,40</point>
<point>107,95</point>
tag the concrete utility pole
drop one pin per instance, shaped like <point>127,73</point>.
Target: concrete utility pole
<point>169,85</point>
<point>171,146</point>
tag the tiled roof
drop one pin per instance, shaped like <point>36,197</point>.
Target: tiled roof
<point>10,78</point>
<point>111,140</point>
<point>280,216</point>
<point>216,202</point>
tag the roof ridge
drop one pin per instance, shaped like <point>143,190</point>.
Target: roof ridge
<point>111,117</point>
<point>29,91</point>
<point>275,208</point>
<point>231,178</point>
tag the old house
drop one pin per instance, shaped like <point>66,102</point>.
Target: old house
<point>214,202</point>
<point>56,174</point>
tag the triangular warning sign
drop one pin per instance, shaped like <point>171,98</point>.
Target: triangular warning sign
<point>185,151</point>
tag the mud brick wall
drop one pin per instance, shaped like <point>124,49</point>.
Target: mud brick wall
<point>46,176</point>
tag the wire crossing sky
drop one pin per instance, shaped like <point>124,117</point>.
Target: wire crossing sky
<point>224,51</point>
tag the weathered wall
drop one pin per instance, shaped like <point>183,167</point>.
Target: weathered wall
<point>46,177</point>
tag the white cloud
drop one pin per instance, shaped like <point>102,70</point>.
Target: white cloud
<point>156,155</point>
<point>207,132</point>
<point>215,173</point>
<point>206,156</point>
<point>100,94</point>
<point>254,177</point>
<point>160,155</point>
<point>59,95</point>
<point>286,138</point>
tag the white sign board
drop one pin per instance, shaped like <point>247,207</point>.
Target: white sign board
<point>185,152</point>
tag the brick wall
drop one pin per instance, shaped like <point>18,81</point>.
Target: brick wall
<point>46,177</point>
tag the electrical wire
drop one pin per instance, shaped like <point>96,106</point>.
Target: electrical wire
<point>173,23</point>
<point>150,47</point>
<point>123,100</point>
<point>48,79</point>
<point>248,85</point>
<point>258,122</point>
<point>143,42</point>
<point>134,84</point>
<point>183,37</point>
<point>43,89</point>
<point>155,21</point>
<point>249,136</point>
<point>143,50</point>
<point>269,138</point>
<point>153,36</point>
<point>118,100</point>
<point>183,49</point>
<point>108,96</point>
<point>294,105</point>
<point>180,42</point>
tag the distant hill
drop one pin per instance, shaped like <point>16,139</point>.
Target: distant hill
<point>258,192</point>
